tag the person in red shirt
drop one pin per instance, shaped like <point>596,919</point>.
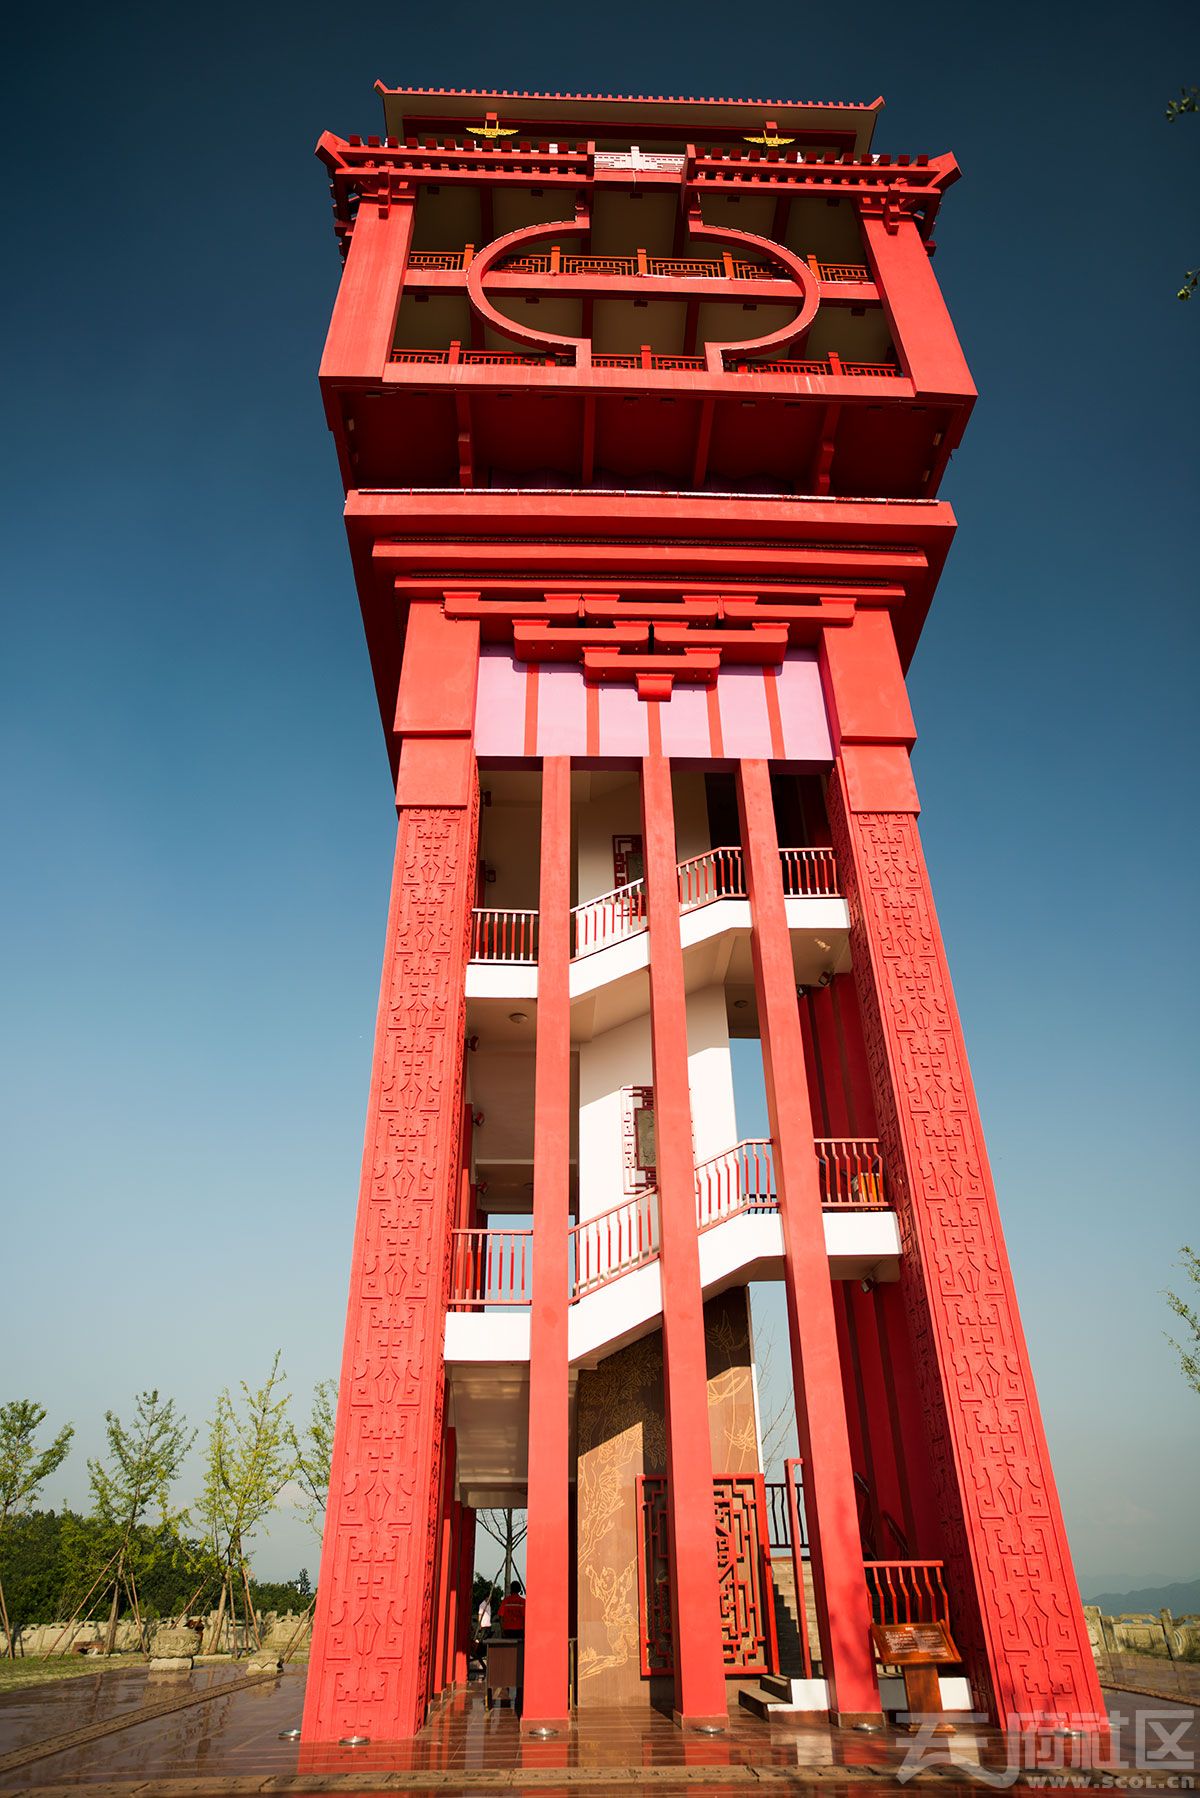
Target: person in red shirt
<point>512,1611</point>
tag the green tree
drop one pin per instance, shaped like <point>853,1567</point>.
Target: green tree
<point>24,1470</point>
<point>143,1464</point>
<point>1189,1349</point>
<point>1188,102</point>
<point>249,1458</point>
<point>313,1451</point>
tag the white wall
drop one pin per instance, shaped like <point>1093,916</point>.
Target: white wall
<point>615,813</point>
<point>618,812</point>
<point>620,1058</point>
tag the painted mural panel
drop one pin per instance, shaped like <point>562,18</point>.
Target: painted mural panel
<point>621,1435</point>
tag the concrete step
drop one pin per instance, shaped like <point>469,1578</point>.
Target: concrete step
<point>759,1704</point>
<point>777,1685</point>
<point>786,1701</point>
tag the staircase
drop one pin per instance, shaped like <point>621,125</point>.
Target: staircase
<point>788,1695</point>
<point>787,1624</point>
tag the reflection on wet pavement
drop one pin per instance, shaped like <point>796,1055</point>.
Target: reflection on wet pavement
<point>233,1741</point>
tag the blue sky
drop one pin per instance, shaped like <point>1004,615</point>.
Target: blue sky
<point>197,814</point>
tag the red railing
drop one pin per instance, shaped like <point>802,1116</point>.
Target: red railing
<point>809,873</point>
<point>491,1267</point>
<point>603,1247</point>
<point>488,358</point>
<point>851,1172</point>
<point>503,935</point>
<point>494,1267</point>
<point>832,365</point>
<point>442,259</point>
<point>907,1592</point>
<point>608,918</point>
<point>684,268</point>
<point>741,1179</point>
<point>647,360</point>
<point>838,271</point>
<point>717,874</point>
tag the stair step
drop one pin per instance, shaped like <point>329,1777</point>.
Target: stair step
<point>777,1685</point>
<point>758,1704</point>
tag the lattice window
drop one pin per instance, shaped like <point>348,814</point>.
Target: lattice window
<point>639,1154</point>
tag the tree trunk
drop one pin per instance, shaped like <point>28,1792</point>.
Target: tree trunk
<point>250,1603</point>
<point>508,1553</point>
<point>111,1637</point>
<point>215,1641</point>
<point>8,1635</point>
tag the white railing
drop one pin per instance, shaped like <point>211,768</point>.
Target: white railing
<point>638,159</point>
<point>510,935</point>
<point>717,874</point>
<point>603,1247</point>
<point>608,918</point>
<point>739,1179</point>
<point>809,873</point>
<point>503,935</point>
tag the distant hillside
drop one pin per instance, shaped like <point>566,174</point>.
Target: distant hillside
<point>1181,1599</point>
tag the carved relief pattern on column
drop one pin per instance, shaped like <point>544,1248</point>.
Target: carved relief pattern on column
<point>371,1652</point>
<point>1023,1637</point>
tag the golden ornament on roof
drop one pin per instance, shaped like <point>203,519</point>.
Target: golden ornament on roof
<point>492,130</point>
<point>771,140</point>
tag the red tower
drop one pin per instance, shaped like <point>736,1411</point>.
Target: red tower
<point>611,382</point>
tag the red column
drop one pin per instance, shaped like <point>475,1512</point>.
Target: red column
<point>910,1431</point>
<point>362,329</point>
<point>891,1533</point>
<point>372,1628</point>
<point>466,1595</point>
<point>370,1666</point>
<point>1017,1614</point>
<point>547,1545</point>
<point>447,1568</point>
<point>691,1526</point>
<point>837,1563</point>
<point>920,323</point>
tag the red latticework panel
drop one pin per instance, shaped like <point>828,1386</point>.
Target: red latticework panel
<point>743,1565</point>
<point>740,1503</point>
<point>655,1634</point>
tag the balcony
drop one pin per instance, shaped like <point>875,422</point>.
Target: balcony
<point>554,262</point>
<point>504,935</point>
<point>494,1268</point>
<point>832,366</point>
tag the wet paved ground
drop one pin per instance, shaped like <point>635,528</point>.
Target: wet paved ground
<point>216,1732</point>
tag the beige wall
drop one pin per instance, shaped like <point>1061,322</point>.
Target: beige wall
<point>621,1435</point>
<point>510,833</point>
